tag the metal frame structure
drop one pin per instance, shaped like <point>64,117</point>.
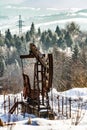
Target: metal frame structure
<point>43,75</point>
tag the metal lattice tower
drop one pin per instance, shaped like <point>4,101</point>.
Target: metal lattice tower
<point>20,24</point>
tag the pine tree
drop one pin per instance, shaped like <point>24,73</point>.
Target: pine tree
<point>75,55</point>
<point>72,27</point>
<point>8,39</point>
<point>68,39</point>
<point>54,38</point>
<point>1,67</point>
<point>48,42</point>
<point>58,31</point>
<point>43,37</point>
<point>32,29</point>
<point>7,42</point>
<point>18,44</point>
<point>1,41</point>
<point>8,34</point>
<point>60,41</point>
<point>50,33</point>
<point>27,36</point>
<point>39,32</point>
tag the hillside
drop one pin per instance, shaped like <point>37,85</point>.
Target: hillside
<point>29,121</point>
<point>68,47</point>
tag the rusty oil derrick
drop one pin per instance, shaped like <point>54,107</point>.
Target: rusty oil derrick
<point>43,75</point>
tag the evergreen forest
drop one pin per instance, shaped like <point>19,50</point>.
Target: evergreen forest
<point>68,46</point>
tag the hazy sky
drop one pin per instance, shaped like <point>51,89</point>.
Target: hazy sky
<point>50,3</point>
<point>2,2</point>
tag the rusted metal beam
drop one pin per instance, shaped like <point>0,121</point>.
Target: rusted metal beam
<point>40,57</point>
<point>26,56</point>
<point>50,57</point>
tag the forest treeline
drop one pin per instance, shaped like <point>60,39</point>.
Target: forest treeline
<point>70,69</point>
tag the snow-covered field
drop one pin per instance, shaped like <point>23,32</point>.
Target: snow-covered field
<point>21,120</point>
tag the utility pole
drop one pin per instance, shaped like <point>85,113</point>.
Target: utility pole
<point>20,24</point>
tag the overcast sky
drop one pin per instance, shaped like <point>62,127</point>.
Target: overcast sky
<point>3,2</point>
<point>50,3</point>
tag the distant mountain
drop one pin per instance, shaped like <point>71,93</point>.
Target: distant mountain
<point>40,3</point>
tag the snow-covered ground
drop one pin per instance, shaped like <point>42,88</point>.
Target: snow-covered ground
<point>21,120</point>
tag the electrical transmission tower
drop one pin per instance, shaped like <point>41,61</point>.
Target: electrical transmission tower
<point>20,24</point>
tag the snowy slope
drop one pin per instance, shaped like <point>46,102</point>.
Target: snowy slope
<point>21,120</point>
